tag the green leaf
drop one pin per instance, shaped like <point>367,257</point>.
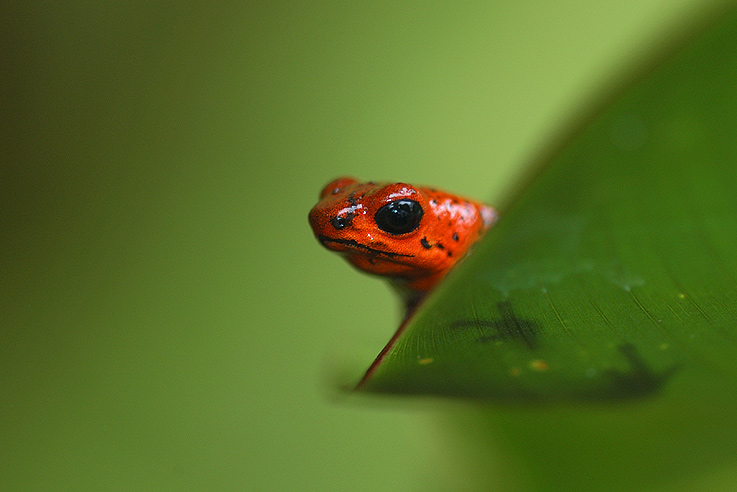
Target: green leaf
<point>602,309</point>
<point>615,271</point>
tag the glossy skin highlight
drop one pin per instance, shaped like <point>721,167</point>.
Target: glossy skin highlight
<point>412,235</point>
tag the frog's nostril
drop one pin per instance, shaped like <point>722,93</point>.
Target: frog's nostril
<point>338,222</point>
<point>341,222</point>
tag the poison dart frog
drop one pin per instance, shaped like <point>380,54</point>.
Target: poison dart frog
<point>410,234</point>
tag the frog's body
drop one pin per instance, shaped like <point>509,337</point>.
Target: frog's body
<point>412,235</point>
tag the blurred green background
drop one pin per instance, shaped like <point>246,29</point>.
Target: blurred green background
<point>167,320</point>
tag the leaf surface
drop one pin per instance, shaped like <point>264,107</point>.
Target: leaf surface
<point>614,273</point>
<point>599,316</point>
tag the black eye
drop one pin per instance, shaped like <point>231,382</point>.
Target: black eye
<point>399,216</point>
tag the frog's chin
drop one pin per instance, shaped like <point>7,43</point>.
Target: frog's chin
<point>343,245</point>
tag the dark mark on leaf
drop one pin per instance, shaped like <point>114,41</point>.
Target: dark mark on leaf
<point>640,380</point>
<point>508,328</point>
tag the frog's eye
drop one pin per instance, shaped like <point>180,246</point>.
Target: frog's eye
<point>399,216</point>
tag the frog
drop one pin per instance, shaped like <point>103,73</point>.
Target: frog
<point>411,235</point>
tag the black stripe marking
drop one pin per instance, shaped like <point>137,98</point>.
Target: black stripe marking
<point>355,244</point>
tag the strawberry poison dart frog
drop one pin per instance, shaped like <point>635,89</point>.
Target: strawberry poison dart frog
<point>409,234</point>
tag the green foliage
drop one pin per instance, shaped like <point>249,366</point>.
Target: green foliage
<point>602,310</point>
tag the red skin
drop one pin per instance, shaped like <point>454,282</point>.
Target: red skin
<point>343,221</point>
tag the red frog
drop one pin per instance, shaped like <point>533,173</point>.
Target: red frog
<point>410,234</point>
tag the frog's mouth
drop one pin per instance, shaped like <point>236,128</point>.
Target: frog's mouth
<point>352,243</point>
